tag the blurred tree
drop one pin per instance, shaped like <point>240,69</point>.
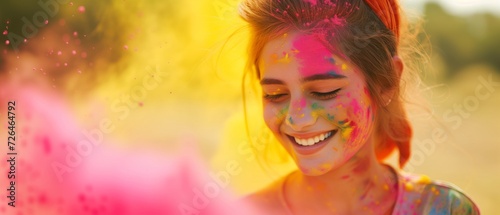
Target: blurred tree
<point>463,41</point>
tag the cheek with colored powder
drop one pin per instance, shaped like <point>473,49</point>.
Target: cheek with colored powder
<point>276,115</point>
<point>282,114</point>
<point>317,110</point>
<point>338,115</point>
<point>350,116</point>
<point>335,113</point>
<point>330,114</point>
<point>346,128</point>
<point>358,127</point>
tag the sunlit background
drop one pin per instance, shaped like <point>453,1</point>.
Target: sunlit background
<point>165,74</point>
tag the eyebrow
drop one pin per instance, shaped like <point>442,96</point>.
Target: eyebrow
<point>325,76</point>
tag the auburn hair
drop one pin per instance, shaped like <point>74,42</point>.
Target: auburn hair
<point>352,30</point>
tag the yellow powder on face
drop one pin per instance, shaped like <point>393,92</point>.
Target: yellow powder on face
<point>365,100</point>
<point>326,166</point>
<point>274,58</point>
<point>314,114</point>
<point>344,66</point>
<point>346,132</point>
<point>284,59</point>
<point>386,187</point>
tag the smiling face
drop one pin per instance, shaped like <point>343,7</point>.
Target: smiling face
<point>316,103</point>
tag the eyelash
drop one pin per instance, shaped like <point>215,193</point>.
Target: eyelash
<point>327,95</point>
<point>320,96</point>
<point>273,98</point>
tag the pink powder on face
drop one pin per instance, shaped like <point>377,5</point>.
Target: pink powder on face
<point>356,108</point>
<point>363,113</point>
<point>313,56</point>
<point>300,103</point>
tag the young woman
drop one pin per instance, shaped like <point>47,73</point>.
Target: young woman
<point>330,75</point>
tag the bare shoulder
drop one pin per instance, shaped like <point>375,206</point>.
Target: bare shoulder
<point>268,200</point>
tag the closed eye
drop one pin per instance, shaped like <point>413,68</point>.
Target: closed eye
<point>326,95</point>
<point>274,97</point>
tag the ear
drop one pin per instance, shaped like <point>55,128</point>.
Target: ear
<point>388,94</point>
<point>398,66</point>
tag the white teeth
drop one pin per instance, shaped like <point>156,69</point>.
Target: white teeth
<point>321,137</point>
<point>313,140</point>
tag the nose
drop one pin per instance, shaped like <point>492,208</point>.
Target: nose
<point>300,116</point>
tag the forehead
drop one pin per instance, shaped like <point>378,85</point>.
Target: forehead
<point>295,44</point>
<point>305,53</point>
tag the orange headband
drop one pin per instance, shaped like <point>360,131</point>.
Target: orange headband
<point>388,12</point>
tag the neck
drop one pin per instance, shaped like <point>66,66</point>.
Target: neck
<point>362,183</point>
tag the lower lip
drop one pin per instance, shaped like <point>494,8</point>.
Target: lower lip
<point>308,150</point>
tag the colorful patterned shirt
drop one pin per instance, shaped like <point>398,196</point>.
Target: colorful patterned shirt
<point>417,194</point>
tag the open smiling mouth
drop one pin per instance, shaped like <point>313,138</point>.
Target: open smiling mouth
<point>313,141</point>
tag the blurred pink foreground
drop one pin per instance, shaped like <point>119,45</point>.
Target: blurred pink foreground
<point>61,169</point>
